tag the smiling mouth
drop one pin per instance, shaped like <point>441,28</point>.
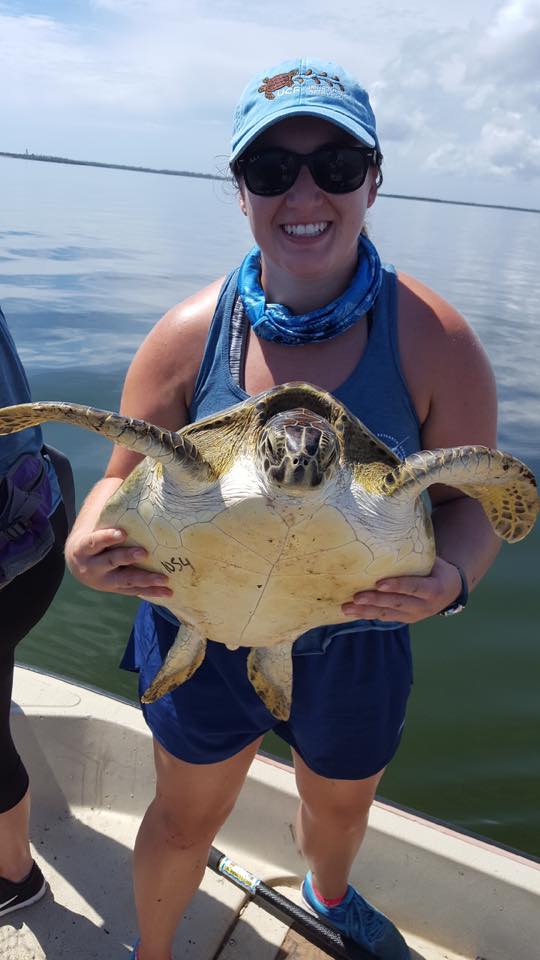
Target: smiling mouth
<point>305,229</point>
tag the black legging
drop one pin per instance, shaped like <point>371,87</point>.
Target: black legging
<point>22,604</point>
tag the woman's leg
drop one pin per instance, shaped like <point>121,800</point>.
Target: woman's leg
<point>22,604</point>
<point>15,856</point>
<point>192,802</point>
<point>332,821</point>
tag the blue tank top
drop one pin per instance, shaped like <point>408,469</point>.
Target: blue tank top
<point>14,389</point>
<point>375,392</point>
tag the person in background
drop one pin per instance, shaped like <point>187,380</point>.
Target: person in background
<point>33,530</point>
<point>310,302</point>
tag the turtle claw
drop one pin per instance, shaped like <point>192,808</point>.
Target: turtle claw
<point>181,662</point>
<point>270,673</point>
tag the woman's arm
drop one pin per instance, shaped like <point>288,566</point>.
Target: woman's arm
<point>453,388</point>
<point>158,388</point>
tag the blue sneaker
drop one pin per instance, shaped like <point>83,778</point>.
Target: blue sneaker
<point>134,954</point>
<point>359,921</point>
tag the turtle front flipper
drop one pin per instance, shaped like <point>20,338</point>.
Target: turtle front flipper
<point>171,449</point>
<point>270,671</point>
<point>505,486</point>
<point>181,662</point>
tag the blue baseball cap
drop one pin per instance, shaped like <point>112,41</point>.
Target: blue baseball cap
<point>309,88</point>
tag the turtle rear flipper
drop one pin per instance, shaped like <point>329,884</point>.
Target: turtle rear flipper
<point>270,672</point>
<point>505,486</point>
<point>181,662</point>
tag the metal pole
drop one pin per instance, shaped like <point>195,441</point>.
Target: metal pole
<point>312,928</point>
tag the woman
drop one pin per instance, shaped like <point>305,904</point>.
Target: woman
<point>33,530</point>
<point>311,303</point>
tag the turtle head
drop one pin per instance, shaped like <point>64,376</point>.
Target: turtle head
<point>297,451</point>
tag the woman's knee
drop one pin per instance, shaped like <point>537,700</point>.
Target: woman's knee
<point>186,825</point>
<point>344,816</point>
<point>343,802</point>
<point>193,801</point>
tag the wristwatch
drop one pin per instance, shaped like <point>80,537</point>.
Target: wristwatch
<point>460,602</point>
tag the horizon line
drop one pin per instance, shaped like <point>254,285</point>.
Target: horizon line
<point>46,158</point>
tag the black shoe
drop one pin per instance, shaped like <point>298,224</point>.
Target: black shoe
<point>13,896</point>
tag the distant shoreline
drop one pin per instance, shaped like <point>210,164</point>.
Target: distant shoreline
<point>44,158</point>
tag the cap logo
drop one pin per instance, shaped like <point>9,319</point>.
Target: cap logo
<point>280,81</point>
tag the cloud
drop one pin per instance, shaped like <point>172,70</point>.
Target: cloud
<point>44,62</point>
<point>498,153</point>
<point>124,6</point>
<point>155,61</point>
<point>512,42</point>
<point>471,99</point>
<point>503,148</point>
<point>455,88</point>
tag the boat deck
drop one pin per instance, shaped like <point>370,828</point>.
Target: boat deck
<point>88,914</point>
<point>89,758</point>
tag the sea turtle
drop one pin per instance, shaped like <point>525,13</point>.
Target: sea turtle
<point>281,80</point>
<point>271,514</point>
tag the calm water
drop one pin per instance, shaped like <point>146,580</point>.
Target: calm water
<point>89,259</point>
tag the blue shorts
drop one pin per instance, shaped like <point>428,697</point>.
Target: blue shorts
<point>348,706</point>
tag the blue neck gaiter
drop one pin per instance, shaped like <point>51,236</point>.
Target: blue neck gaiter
<point>272,321</point>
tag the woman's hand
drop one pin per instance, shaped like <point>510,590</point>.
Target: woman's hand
<point>99,560</point>
<point>408,599</point>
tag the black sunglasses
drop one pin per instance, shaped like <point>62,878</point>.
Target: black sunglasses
<point>272,171</point>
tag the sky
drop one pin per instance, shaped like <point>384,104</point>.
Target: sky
<point>455,85</point>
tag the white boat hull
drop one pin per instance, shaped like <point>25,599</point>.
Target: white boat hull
<point>89,758</point>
